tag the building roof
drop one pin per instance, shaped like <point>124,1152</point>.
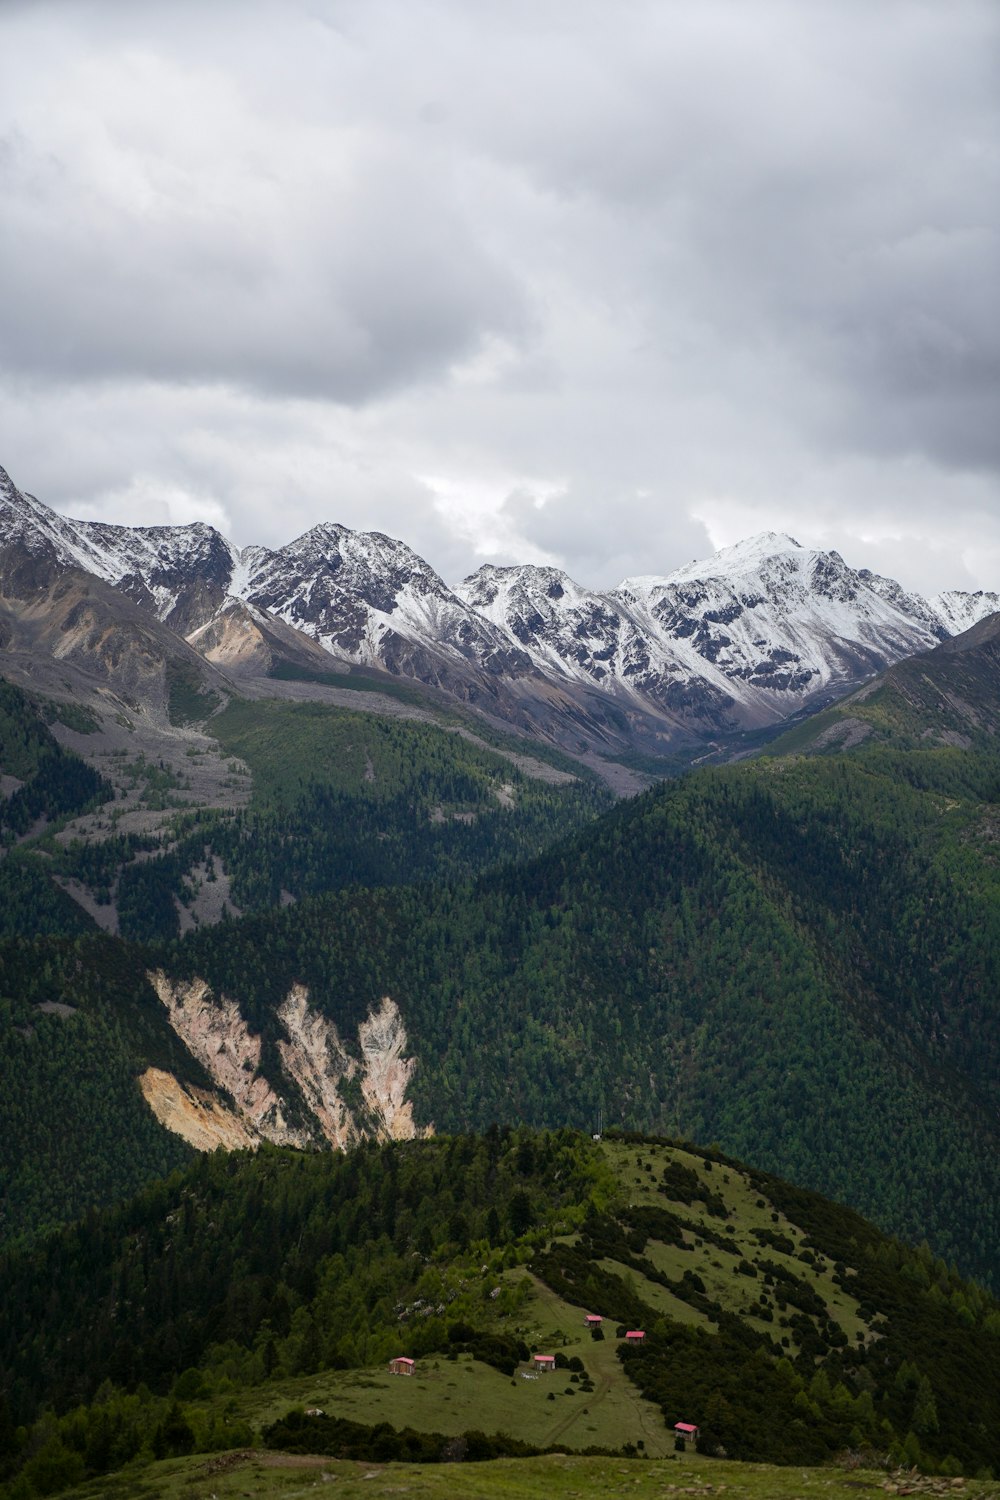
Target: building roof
<point>401,1359</point>
<point>636,1333</point>
<point>685,1427</point>
<point>549,1359</point>
<point>594,1318</point>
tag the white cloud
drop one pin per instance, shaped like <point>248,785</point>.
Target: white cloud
<point>562,280</point>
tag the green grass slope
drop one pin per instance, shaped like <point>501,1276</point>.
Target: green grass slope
<point>271,1476</point>
<point>255,1302</point>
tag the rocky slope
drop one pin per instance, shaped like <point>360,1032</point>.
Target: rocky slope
<point>325,1092</point>
<point>742,640</point>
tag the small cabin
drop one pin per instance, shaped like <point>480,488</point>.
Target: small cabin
<point>401,1365</point>
<point>686,1430</point>
<point>545,1362</point>
<point>635,1336</point>
<point>593,1320</point>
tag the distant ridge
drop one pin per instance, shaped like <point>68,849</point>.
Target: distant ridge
<point>740,641</point>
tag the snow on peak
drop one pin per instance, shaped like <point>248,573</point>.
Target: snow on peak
<point>743,557</point>
<point>959,611</point>
<point>743,637</point>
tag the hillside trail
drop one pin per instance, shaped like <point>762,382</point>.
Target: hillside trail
<point>605,1386</point>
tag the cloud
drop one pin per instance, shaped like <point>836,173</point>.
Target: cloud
<point>565,280</point>
<point>157,228</point>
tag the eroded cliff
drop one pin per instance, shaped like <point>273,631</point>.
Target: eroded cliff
<point>327,1092</point>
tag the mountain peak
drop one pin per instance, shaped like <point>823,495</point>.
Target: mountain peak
<point>742,557</point>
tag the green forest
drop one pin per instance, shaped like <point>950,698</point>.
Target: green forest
<point>796,959</point>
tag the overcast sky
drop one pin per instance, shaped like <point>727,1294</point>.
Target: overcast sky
<point>604,283</point>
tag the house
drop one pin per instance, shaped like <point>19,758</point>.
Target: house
<point>401,1365</point>
<point>544,1362</point>
<point>592,1320</point>
<point>686,1430</point>
<point>635,1336</point>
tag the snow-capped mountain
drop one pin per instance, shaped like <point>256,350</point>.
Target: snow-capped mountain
<point>365,598</point>
<point>771,622</point>
<point>370,600</point>
<point>740,640</point>
<point>179,573</point>
<point>751,634</point>
<point>959,612</point>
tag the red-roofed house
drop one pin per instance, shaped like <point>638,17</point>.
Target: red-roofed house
<point>635,1336</point>
<point>401,1365</point>
<point>686,1429</point>
<point>545,1361</point>
<point>593,1320</point>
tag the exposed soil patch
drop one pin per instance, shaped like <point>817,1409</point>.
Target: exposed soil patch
<point>211,899</point>
<point>196,1115</point>
<point>104,914</point>
<point>622,780</point>
<point>845,734</point>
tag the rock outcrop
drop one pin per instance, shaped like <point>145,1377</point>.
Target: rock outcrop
<point>326,1092</point>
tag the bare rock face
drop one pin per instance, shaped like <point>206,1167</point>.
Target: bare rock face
<point>197,1115</point>
<point>387,1072</point>
<point>316,1058</point>
<point>216,1035</point>
<point>310,1103</point>
<point>246,641</point>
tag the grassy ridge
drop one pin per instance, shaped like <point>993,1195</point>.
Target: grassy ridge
<point>216,1308</point>
<point>232,1476</point>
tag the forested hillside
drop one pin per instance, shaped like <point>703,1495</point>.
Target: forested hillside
<point>78,1023</point>
<point>796,959</point>
<point>42,785</point>
<point>337,798</point>
<point>785,1327</point>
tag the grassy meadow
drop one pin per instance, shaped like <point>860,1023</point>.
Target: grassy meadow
<point>253,1475</point>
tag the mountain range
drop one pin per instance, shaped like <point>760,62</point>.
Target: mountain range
<point>741,641</point>
<point>306,856</point>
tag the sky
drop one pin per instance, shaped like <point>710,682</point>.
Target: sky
<point>606,284</point>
